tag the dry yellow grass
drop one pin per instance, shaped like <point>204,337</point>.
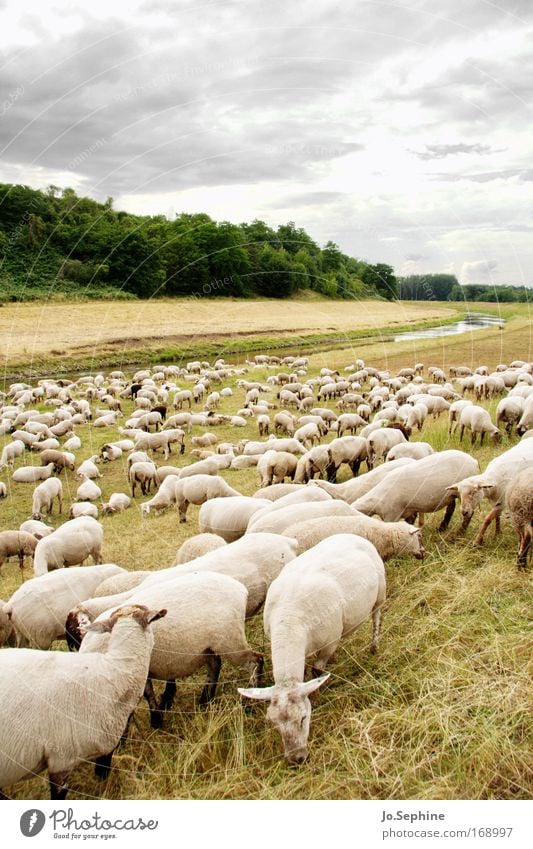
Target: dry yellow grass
<point>36,329</point>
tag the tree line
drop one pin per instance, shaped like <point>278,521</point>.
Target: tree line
<point>446,287</point>
<point>56,241</point>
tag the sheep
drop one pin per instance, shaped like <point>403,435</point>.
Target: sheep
<point>278,490</point>
<point>419,488</point>
<point>16,543</point>
<point>509,411</point>
<point>60,459</point>
<point>205,626</point>
<point>38,529</point>
<point>316,461</point>
<point>454,413</point>
<point>276,521</point>
<point>349,422</point>
<point>10,452</point>
<point>197,546</point>
<point>263,425</point>
<point>106,420</point>
<point>381,441</point>
<point>205,440</point>
<point>347,449</point>
<point>320,597</point>
<point>3,490</point>
<point>478,421</point>
<point>243,462</point>
<point>83,508</point>
<point>526,419</point>
<point>138,457</point>
<point>391,539</point>
<point>229,517</point>
<point>161,441</point>
<point>415,450</point>
<point>38,609</point>
<point>31,474</point>
<point>88,491</point>
<point>491,484</point>
<point>519,500</point>
<point>69,545</point>
<point>88,469</point>
<point>308,434</point>
<point>275,466</point>
<point>181,397</point>
<point>44,495</point>
<point>416,417</point>
<point>141,473</point>
<point>60,709</point>
<point>118,502</point>
<point>203,467</point>
<point>198,489</point>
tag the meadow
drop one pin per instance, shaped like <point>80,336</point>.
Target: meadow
<point>441,712</point>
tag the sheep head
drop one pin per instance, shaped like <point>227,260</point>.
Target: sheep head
<point>290,712</point>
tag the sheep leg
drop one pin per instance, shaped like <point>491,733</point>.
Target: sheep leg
<point>376,626</point>
<point>167,699</point>
<point>156,717</point>
<point>525,545</point>
<point>213,663</point>
<point>182,449</point>
<point>331,472</point>
<point>486,522</point>
<point>355,467</point>
<point>183,510</point>
<point>102,765</point>
<point>59,784</point>
<point>448,515</point>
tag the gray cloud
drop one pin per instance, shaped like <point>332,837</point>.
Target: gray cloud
<point>440,151</point>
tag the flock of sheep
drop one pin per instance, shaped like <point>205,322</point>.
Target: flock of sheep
<point>307,549</point>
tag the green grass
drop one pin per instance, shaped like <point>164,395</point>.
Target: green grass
<point>443,710</point>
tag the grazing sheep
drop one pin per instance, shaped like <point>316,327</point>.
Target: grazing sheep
<point>198,489</point>
<point>478,421</point>
<point>118,502</point>
<point>10,452</point>
<point>197,546</point>
<point>381,441</point>
<point>316,461</point>
<point>509,411</point>
<point>69,545</point>
<point>421,487</point>
<point>347,449</point>
<point>454,413</point>
<point>31,474</point>
<point>205,626</point>
<point>278,490</point>
<point>391,539</point>
<point>285,423</point>
<point>16,543</point>
<point>318,599</point>
<point>416,417</point>
<point>519,499</point>
<point>415,450</point>
<point>491,484</point>
<point>39,608</point>
<point>263,425</point>
<point>92,694</point>
<point>60,459</point>
<point>142,473</point>
<point>275,466</point>
<point>161,441</point>
<point>203,467</point>
<point>229,517</point>
<point>526,419</point>
<point>44,495</point>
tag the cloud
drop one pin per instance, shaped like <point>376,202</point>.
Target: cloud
<point>440,151</point>
<point>479,271</point>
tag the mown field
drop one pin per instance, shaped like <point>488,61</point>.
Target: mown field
<point>441,712</point>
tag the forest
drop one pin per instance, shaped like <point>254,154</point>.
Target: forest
<point>55,243</point>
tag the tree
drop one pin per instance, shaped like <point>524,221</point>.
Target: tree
<point>380,277</point>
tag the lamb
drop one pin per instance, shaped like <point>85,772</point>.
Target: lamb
<point>243,462</point>
<point>60,459</point>
<point>44,495</point>
<point>275,466</point>
<point>32,737</point>
<point>381,441</point>
<point>88,491</point>
<point>205,626</point>
<point>277,521</point>
<point>491,484</point>
<point>10,452</point>
<point>143,474</point>
<point>322,596</point>
<point>519,500</point>
<point>16,543</point>
<point>118,502</point>
<point>478,421</point>
<point>391,539</point>
<point>31,474</point>
<point>38,609</point>
<point>69,545</point>
<point>83,508</point>
<point>419,488</point>
<point>415,450</point>
<point>229,517</point>
<point>197,546</point>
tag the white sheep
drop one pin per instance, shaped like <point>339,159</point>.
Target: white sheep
<point>44,495</point>
<point>519,500</point>
<point>10,452</point>
<point>31,474</point>
<point>391,539</point>
<point>478,421</point>
<point>35,527</point>
<point>415,450</point>
<point>88,469</point>
<point>38,609</point>
<point>118,502</point>
<point>60,709</point>
<point>83,508</point>
<point>88,490</point>
<point>16,543</point>
<point>198,489</point>
<point>381,441</point>
<point>276,520</point>
<point>69,545</point>
<point>228,517</point>
<point>275,466</point>
<point>197,546</point>
<point>318,599</point>
<point>142,473</point>
<point>419,488</point>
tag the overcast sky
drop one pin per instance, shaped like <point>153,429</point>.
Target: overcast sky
<point>401,130</point>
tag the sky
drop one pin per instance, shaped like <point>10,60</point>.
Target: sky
<point>400,130</point>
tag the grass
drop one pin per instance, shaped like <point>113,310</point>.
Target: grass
<point>442,712</point>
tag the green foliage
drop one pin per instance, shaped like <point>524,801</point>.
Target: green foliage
<point>55,242</point>
<point>498,294</point>
<point>427,287</point>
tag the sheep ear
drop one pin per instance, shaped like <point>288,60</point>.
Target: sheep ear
<point>154,615</point>
<point>310,686</point>
<point>415,531</point>
<point>102,627</point>
<point>262,694</point>
<point>453,489</point>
